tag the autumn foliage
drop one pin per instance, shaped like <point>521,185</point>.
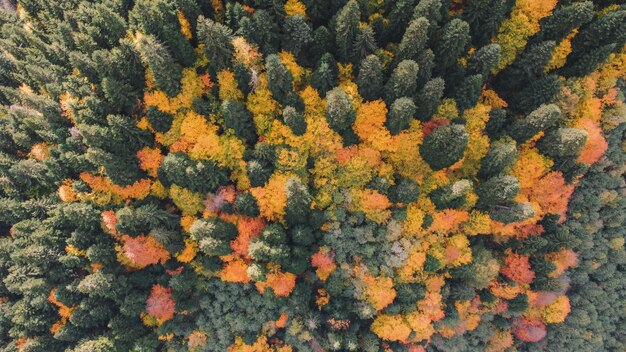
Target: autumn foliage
<point>160,304</point>
<point>301,175</point>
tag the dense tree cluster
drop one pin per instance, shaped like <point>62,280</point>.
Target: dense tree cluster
<point>312,175</point>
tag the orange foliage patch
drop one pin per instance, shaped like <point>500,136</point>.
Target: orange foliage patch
<point>138,190</point>
<point>563,260</point>
<point>150,159</point>
<point>323,261</point>
<point>189,252</point>
<point>431,306</point>
<point>552,194</point>
<point>500,341</point>
<point>413,265</point>
<point>379,291</point>
<point>261,345</point>
<point>248,229</point>
<point>370,118</point>
<point>141,251</point>
<point>67,193</point>
<point>374,205</point>
<point>109,220</point>
<point>160,304</point>
<point>595,146</point>
<point>529,330</point>
<point>64,311</point>
<point>391,327</point>
<point>282,320</point>
<point>281,283</point>
<point>322,298</point>
<point>196,340</point>
<point>448,220</point>
<point>40,151</point>
<point>234,270</point>
<point>517,268</point>
<point>272,197</point>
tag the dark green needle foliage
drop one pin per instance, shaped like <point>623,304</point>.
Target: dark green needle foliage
<point>435,175</point>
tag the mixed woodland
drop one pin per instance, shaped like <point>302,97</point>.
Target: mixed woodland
<point>312,175</point>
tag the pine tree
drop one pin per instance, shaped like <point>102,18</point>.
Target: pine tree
<point>565,19</point>
<point>501,155</point>
<point>298,203</point>
<point>484,18</point>
<point>198,176</point>
<point>468,92</point>
<point>602,32</point>
<point>512,213</point>
<point>364,44</point>
<point>484,60</point>
<point>213,236</point>
<point>452,195</point>
<point>158,18</point>
<point>399,18</point>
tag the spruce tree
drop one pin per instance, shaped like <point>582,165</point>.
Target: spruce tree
<point>346,29</point>
<point>501,155</point>
<point>484,60</point>
<point>279,80</point>
<point>237,117</point>
<point>429,98</point>
<point>216,39</point>
<point>339,110</point>
<point>294,120</point>
<point>158,18</point>
<point>324,77</point>
<point>453,43</point>
<point>297,34</point>
<point>370,78</point>
<point>166,72</point>
<point>563,142</point>
<point>414,40</point>
<point>445,146</point>
<point>485,17</point>
<point>400,115</point>
<point>497,190</point>
<point>402,82</point>
<point>541,119</point>
<point>364,44</point>
<point>399,18</point>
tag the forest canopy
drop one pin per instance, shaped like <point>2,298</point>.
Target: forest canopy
<point>312,175</point>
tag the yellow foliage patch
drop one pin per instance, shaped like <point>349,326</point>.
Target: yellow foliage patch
<point>295,7</point>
